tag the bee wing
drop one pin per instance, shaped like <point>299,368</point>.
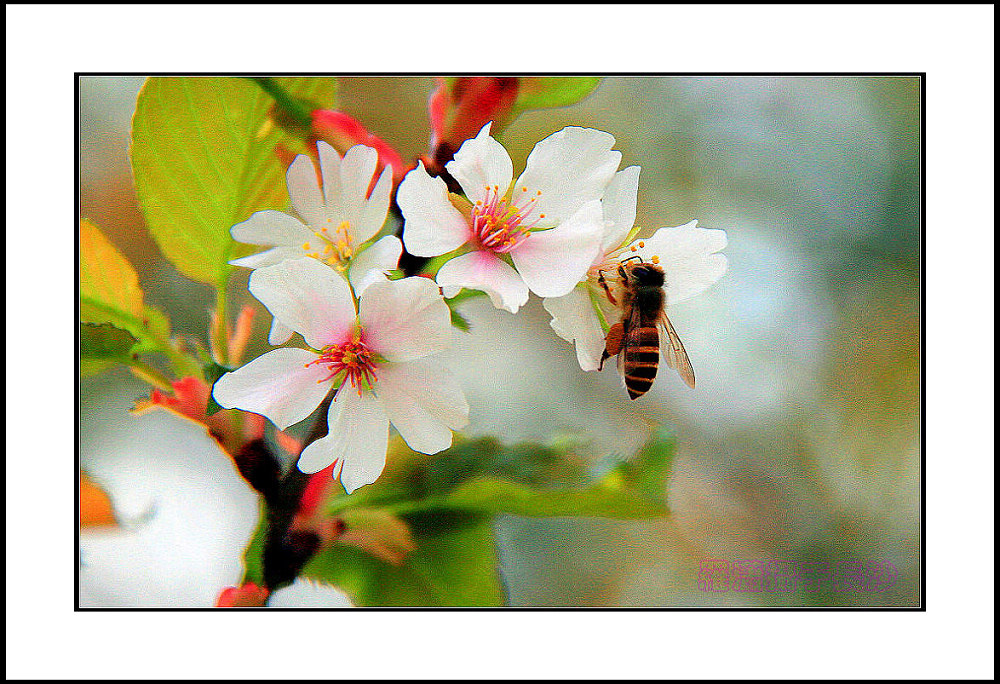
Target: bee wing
<point>628,322</point>
<point>673,351</point>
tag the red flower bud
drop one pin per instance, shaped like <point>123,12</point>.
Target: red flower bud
<point>232,429</point>
<point>344,132</point>
<point>460,109</point>
<point>247,596</point>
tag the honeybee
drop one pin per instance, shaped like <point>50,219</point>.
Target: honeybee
<point>636,339</point>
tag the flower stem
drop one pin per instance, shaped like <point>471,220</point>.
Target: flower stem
<point>288,104</point>
<point>286,553</point>
<point>147,373</point>
<point>596,303</point>
<point>220,337</point>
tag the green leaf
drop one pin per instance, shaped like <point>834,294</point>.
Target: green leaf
<point>253,557</point>
<point>632,489</point>
<point>212,372</point>
<point>105,342</point>
<point>648,471</point>
<point>541,92</point>
<point>454,564</point>
<point>459,321</point>
<point>110,293</point>
<point>487,495</point>
<point>484,476</point>
<point>203,160</point>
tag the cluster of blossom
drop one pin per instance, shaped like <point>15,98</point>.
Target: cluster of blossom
<point>558,231</point>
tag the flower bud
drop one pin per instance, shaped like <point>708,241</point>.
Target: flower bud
<point>460,107</point>
<point>343,132</point>
<point>247,596</point>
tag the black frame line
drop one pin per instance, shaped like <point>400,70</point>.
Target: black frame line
<point>922,527</point>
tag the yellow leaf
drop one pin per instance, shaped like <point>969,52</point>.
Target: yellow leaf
<point>108,283</point>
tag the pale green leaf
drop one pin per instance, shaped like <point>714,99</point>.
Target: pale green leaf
<point>203,159</point>
<point>541,92</point>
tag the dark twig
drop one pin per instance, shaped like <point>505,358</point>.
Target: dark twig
<point>285,552</point>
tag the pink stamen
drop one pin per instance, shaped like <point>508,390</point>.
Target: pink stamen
<point>350,362</point>
<point>499,224</point>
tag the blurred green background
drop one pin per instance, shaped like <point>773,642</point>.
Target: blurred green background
<point>802,440</point>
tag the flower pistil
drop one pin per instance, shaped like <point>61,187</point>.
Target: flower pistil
<point>350,362</point>
<point>337,250</point>
<point>499,223</point>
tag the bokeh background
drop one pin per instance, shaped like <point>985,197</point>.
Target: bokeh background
<point>801,442</point>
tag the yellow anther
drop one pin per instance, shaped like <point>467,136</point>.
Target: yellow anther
<point>539,192</point>
<point>641,243</point>
<point>634,248</point>
<point>305,245</point>
<point>655,259</point>
<point>524,189</point>
<point>541,216</point>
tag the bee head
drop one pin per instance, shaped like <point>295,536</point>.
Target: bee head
<point>646,275</point>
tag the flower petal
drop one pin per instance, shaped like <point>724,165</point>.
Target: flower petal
<point>329,164</point>
<point>308,297</point>
<point>304,191</point>
<point>482,270</point>
<point>373,213</point>
<point>424,402</point>
<point>358,438</point>
<point>553,261</point>
<point>271,227</point>
<point>687,255</point>
<point>279,334</point>
<point>405,319</point>
<point>481,163</point>
<point>433,226</point>
<point>574,320</point>
<point>269,257</point>
<point>277,385</point>
<point>618,204</point>
<point>303,593</point>
<point>356,171</point>
<point>570,167</point>
<point>371,264</point>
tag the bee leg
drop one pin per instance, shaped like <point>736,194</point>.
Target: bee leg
<point>612,343</point>
<point>607,290</point>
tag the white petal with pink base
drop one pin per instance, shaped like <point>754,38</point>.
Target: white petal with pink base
<point>370,360</point>
<point>278,385</point>
<point>484,271</point>
<point>548,223</point>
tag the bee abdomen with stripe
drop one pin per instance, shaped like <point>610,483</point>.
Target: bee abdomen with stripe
<point>641,358</point>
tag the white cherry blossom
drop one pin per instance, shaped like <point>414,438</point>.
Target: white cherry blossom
<point>539,233</point>
<point>373,357</point>
<point>687,254</point>
<point>338,219</point>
